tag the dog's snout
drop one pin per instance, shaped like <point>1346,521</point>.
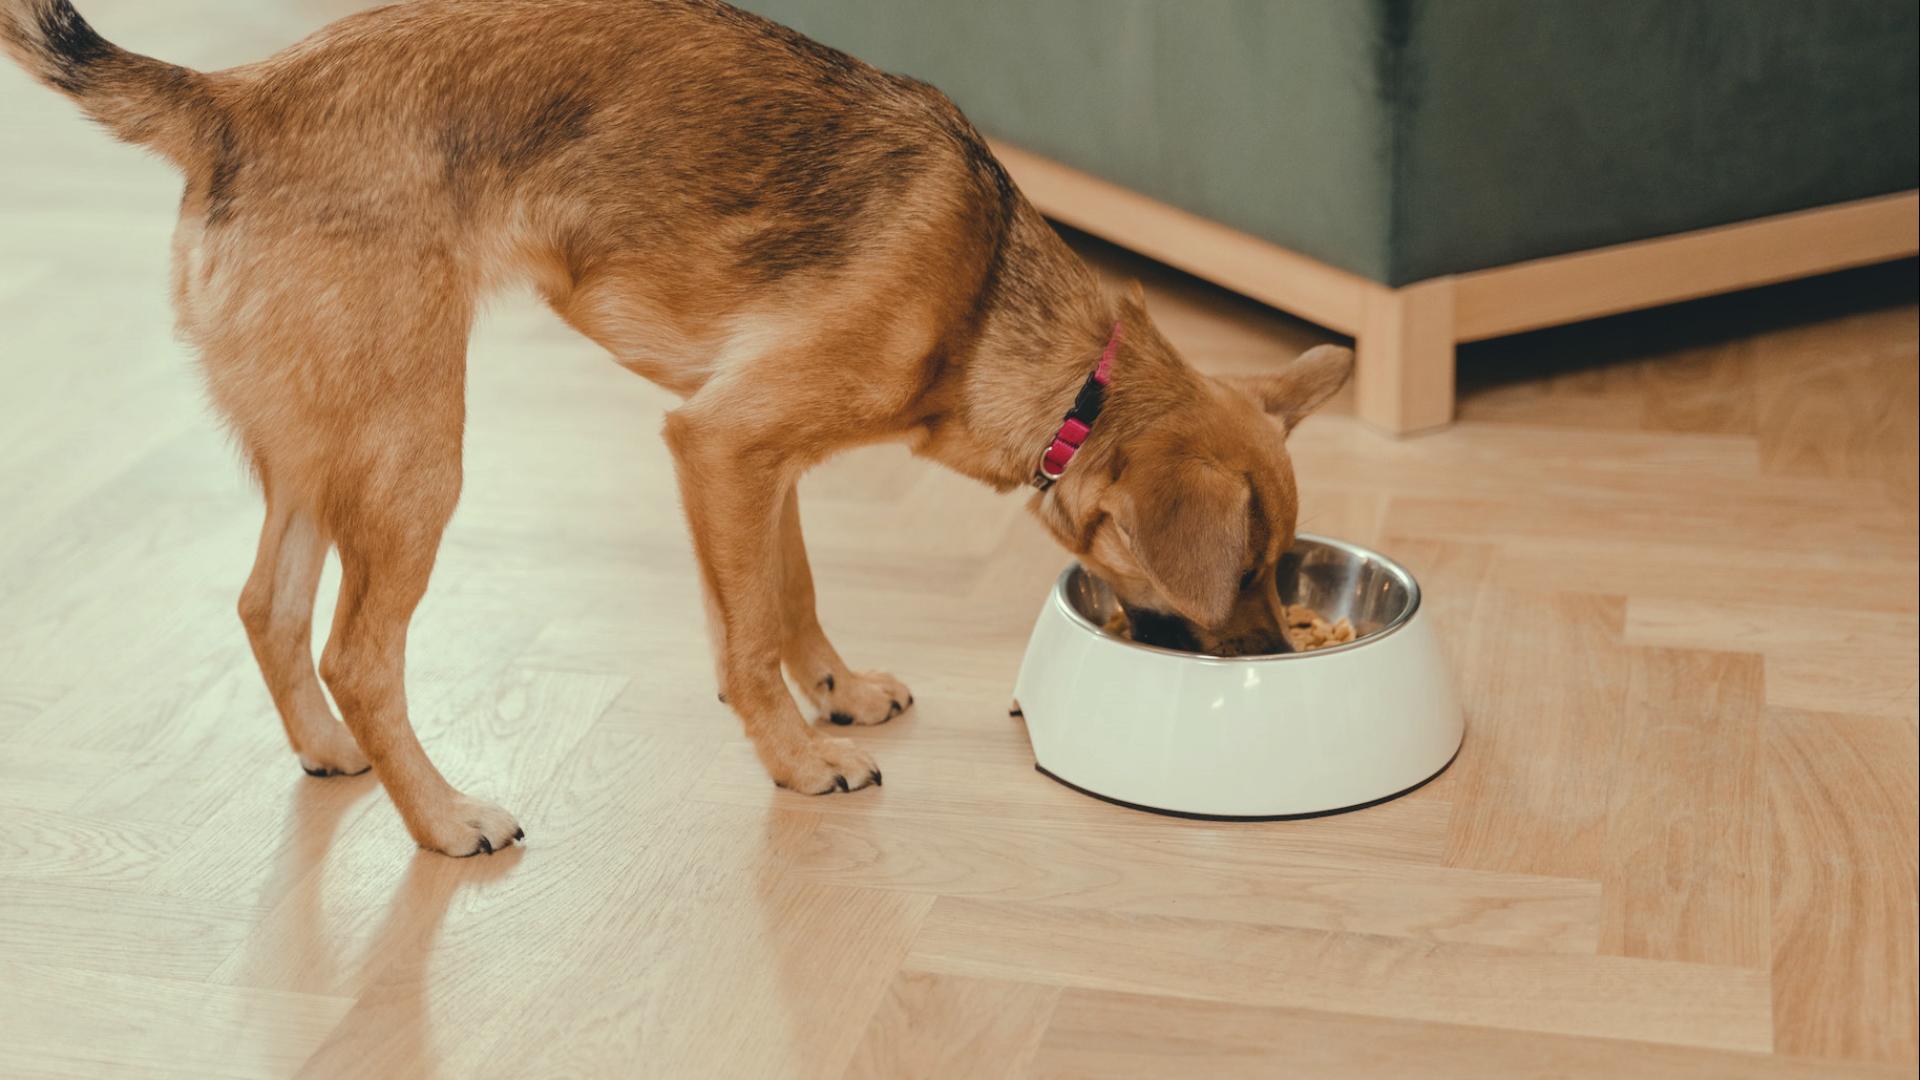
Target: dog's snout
<point>1168,631</point>
<point>1164,630</point>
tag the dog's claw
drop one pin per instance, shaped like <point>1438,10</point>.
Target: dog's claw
<point>519,834</point>
<point>486,845</point>
<point>327,771</point>
<point>895,710</point>
<point>876,778</point>
<point>840,782</point>
<point>840,718</point>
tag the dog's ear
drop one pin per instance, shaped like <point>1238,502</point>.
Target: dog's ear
<point>1300,387</point>
<point>1186,523</point>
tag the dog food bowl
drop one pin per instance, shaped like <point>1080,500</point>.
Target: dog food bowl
<point>1279,736</point>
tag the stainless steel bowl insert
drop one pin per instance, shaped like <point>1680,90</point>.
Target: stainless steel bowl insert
<point>1337,579</point>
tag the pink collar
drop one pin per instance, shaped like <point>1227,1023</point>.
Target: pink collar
<point>1079,419</point>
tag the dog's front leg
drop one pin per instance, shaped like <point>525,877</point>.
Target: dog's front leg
<point>843,695</point>
<point>732,484</point>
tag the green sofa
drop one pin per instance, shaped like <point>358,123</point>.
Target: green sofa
<point>1403,141</point>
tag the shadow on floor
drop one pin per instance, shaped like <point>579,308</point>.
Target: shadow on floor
<point>1576,347</point>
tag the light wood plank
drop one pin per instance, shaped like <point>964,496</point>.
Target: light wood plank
<point>87,927</point>
<point>1738,574</point>
<point>1835,420</point>
<point>53,778</point>
<point>1863,533</point>
<point>1543,717</point>
<point>939,1027</point>
<point>719,967</point>
<point>1120,1036</point>
<point>1773,629</point>
<point>51,847</point>
<point>1842,793</point>
<point>1616,997</point>
<point>64,1022</point>
<point>1686,825</point>
<point>1861,683</point>
<point>1255,873</point>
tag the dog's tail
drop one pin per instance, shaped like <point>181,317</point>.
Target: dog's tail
<point>138,98</point>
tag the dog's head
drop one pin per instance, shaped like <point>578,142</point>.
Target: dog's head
<point>1197,504</point>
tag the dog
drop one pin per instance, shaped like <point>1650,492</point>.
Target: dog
<point>811,253</point>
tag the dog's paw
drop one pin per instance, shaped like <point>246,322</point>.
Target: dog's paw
<point>331,751</point>
<point>465,826</point>
<point>829,765</point>
<point>866,697</point>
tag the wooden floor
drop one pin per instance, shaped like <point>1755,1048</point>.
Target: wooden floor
<point>1674,558</point>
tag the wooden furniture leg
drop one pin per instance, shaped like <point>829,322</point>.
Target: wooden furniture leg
<point>1404,379</point>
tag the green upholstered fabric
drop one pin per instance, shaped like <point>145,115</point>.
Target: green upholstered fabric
<point>1405,139</point>
<point>1535,127</point>
<point>1245,111</point>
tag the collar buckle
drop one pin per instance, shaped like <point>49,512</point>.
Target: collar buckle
<point>1077,425</point>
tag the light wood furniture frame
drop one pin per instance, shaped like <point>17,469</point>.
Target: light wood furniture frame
<point>1405,336</point>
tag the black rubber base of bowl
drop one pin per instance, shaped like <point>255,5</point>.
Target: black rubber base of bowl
<point>1042,770</point>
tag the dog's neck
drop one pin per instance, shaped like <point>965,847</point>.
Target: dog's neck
<point>1043,324</point>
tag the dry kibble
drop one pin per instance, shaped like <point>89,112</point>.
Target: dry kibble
<point>1307,631</point>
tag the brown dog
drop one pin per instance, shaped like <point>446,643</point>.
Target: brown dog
<point>812,253</point>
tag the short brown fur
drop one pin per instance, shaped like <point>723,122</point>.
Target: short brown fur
<point>812,253</point>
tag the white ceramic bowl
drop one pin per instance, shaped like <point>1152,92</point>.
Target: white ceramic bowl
<point>1289,735</point>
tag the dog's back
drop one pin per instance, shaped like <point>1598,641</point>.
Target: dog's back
<point>577,129</point>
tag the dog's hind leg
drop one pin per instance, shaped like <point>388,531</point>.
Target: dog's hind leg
<point>389,492</point>
<point>277,609</point>
<point>844,696</point>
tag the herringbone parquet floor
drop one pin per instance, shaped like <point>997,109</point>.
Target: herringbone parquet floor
<point>1674,556</point>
